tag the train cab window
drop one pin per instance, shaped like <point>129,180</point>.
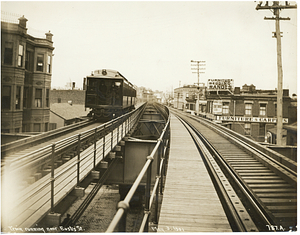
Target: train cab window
<point>91,84</point>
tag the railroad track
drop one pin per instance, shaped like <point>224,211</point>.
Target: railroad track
<point>266,187</point>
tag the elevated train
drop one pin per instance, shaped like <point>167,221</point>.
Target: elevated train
<point>108,94</point>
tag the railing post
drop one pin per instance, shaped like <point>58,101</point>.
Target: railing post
<point>118,134</point>
<point>112,139</point>
<point>103,147</point>
<point>163,157</point>
<point>158,174</point>
<point>148,187</point>
<point>52,177</point>
<point>78,159</point>
<point>95,147</point>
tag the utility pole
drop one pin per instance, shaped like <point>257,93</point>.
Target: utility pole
<point>198,64</point>
<point>276,7</point>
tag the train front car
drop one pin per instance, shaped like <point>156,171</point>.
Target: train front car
<point>108,94</point>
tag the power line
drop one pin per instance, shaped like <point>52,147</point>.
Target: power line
<point>276,8</point>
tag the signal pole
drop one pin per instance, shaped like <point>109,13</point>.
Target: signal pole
<point>199,63</point>
<point>276,7</point>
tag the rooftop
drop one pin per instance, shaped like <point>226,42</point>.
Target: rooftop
<point>68,111</point>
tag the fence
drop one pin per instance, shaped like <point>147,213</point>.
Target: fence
<point>123,206</point>
<point>24,208</point>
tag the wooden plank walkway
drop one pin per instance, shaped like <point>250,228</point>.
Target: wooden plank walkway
<point>190,202</point>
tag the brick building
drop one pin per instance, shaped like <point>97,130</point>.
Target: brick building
<point>185,98</point>
<point>64,96</point>
<point>247,111</point>
<point>26,66</point>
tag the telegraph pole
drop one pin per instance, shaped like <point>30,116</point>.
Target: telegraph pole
<point>276,7</point>
<point>198,64</point>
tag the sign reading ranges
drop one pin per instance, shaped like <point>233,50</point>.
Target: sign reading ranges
<point>250,119</point>
<point>219,84</point>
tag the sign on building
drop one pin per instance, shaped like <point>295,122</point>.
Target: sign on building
<point>217,107</point>
<point>219,84</point>
<point>250,119</point>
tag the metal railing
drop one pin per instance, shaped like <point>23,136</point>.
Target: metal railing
<point>90,147</point>
<point>123,206</point>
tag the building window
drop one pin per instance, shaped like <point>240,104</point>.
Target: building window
<point>29,61</point>
<point>5,97</point>
<point>17,130</point>
<point>40,63</point>
<point>26,98</point>
<point>46,126</point>
<point>58,100</point>
<point>47,97</point>
<point>21,55</point>
<point>36,127</point>
<point>262,109</point>
<point>18,97</point>
<point>262,127</point>
<point>38,98</point>
<point>49,64</point>
<point>247,128</point>
<point>5,130</point>
<point>225,109</point>
<point>8,53</point>
<point>248,109</point>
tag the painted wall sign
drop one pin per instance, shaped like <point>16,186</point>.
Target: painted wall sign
<point>250,119</point>
<point>219,84</point>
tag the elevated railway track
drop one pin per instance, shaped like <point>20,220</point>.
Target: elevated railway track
<point>265,181</point>
<point>257,186</point>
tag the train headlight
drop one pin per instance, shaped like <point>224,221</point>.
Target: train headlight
<point>118,84</point>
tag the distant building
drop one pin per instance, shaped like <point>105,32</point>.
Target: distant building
<point>145,95</point>
<point>64,96</point>
<point>247,111</point>
<point>185,98</point>
<point>26,66</point>
<point>63,114</point>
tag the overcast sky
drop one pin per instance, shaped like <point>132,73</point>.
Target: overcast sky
<point>152,43</point>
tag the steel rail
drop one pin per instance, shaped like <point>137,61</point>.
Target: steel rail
<point>242,187</point>
<point>264,215</point>
<point>66,176</point>
<point>83,206</point>
<point>236,139</point>
<point>242,221</point>
<point>273,155</point>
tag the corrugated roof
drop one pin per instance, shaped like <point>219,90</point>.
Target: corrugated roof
<point>67,111</point>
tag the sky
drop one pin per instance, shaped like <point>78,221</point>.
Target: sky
<point>152,43</point>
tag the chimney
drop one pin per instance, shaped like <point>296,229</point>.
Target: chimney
<point>22,21</point>
<point>49,36</point>
<point>73,85</point>
<point>237,90</point>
